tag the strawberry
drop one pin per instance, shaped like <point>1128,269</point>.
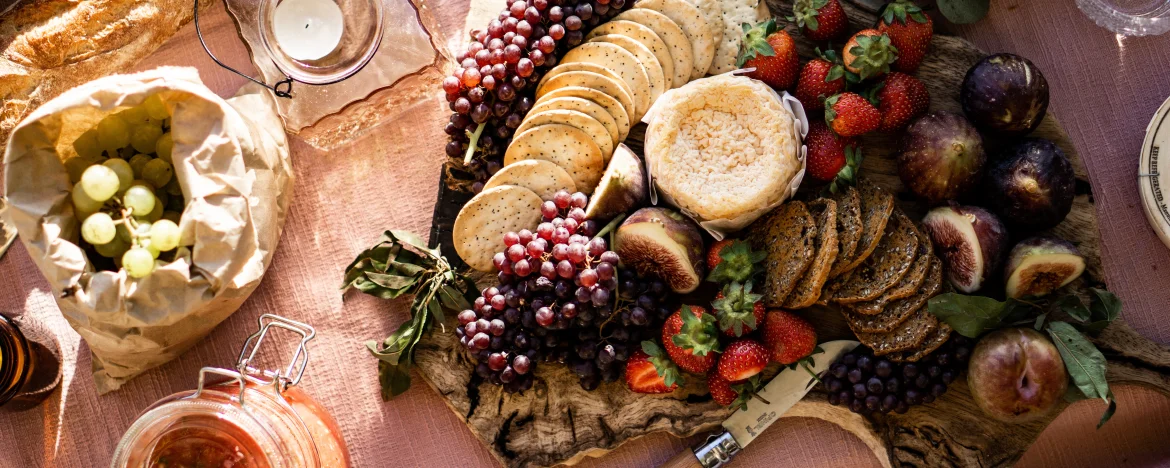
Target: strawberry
<point>739,311</point>
<point>788,337</point>
<point>742,359</point>
<point>649,371</point>
<point>819,20</point>
<point>732,394</point>
<point>772,52</point>
<point>691,339</point>
<point>820,78</point>
<point>869,53</point>
<point>831,158</point>
<point>851,115</point>
<point>910,31</point>
<point>733,260</point>
<point>901,98</point>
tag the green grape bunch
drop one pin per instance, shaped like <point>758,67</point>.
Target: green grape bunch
<point>124,188</point>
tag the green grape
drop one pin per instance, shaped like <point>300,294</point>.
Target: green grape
<point>149,246</point>
<point>162,198</point>
<point>164,235</point>
<point>76,166</point>
<point>124,232</point>
<point>172,216</point>
<point>87,145</point>
<point>98,229</point>
<point>157,172</point>
<point>82,203</point>
<point>113,132</point>
<point>155,108</point>
<point>156,213</point>
<point>114,249</point>
<point>173,187</point>
<point>123,170</point>
<point>143,137</point>
<point>139,199</point>
<point>135,116</point>
<point>137,262</point>
<point>138,162</point>
<point>99,182</point>
<point>164,146</point>
<point>143,229</point>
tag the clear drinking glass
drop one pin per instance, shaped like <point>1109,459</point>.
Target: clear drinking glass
<point>1129,17</point>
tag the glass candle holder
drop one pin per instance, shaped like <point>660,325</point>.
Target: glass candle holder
<point>320,41</point>
<point>1129,17</point>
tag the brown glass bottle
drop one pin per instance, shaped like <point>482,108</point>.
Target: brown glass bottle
<point>30,366</point>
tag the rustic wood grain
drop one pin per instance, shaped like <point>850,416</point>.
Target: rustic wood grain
<point>558,423</point>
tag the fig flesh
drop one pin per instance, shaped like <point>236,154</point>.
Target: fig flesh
<point>1016,375</point>
<point>656,240</point>
<point>941,157</point>
<point>1033,185</point>
<point>970,240</point>
<point>622,188</point>
<point>1040,265</point>
<point>1005,94</point>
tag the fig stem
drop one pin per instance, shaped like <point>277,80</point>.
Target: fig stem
<point>473,140</point>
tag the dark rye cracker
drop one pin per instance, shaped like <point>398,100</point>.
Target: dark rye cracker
<point>849,228</point>
<point>876,206</point>
<point>787,235</point>
<point>896,312</point>
<point>932,342</point>
<point>889,262</point>
<point>907,336</point>
<point>808,289</point>
<point>910,282</point>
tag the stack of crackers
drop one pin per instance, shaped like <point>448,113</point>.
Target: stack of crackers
<point>859,251</point>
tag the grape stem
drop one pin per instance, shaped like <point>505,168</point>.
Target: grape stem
<point>474,140</point>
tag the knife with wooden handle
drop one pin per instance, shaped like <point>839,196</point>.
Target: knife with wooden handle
<point>742,427</point>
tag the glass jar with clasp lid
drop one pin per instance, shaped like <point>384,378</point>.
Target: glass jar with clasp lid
<point>250,418</point>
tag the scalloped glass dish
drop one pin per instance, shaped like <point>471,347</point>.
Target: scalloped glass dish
<point>360,37</point>
<point>1129,17</point>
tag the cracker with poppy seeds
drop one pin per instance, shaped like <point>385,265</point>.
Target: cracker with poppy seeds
<point>580,120</point>
<point>808,289</point>
<point>584,106</point>
<point>540,176</point>
<point>908,285</point>
<point>478,231</point>
<point>890,261</point>
<point>644,36</point>
<point>621,62</point>
<point>671,34</point>
<point>787,234</point>
<point>659,81</point>
<point>611,86</point>
<point>563,145</point>
<point>610,104</point>
<point>896,312</point>
<point>735,14</point>
<point>699,31</point>
<point>565,67</point>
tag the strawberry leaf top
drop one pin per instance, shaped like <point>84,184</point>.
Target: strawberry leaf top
<point>662,364</point>
<point>755,41</point>
<point>899,10</point>
<point>838,69</point>
<point>873,54</point>
<point>745,391</point>
<point>698,333</point>
<point>848,173</point>
<point>735,308</point>
<point>738,264</point>
<point>805,12</point>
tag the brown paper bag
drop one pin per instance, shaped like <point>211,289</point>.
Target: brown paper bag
<point>231,159</point>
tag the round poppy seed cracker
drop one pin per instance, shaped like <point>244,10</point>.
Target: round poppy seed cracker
<point>540,176</point>
<point>607,102</point>
<point>699,31</point>
<point>647,37</point>
<point>582,121</point>
<point>659,82</point>
<point>622,63</point>
<point>712,11</point>
<point>586,107</point>
<point>578,66</point>
<point>735,14</point>
<point>671,34</point>
<point>607,85</point>
<point>565,146</point>
<point>478,232</point>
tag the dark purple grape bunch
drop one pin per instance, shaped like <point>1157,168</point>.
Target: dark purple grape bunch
<point>869,384</point>
<point>493,86</point>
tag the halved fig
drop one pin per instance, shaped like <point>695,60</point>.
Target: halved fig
<point>622,188</point>
<point>660,241</point>
<point>970,240</point>
<point>1039,265</point>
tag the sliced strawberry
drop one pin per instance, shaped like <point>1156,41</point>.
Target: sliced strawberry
<point>649,370</point>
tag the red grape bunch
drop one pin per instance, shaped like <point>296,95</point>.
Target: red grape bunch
<point>493,87</point>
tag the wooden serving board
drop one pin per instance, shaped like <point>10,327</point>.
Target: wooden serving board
<point>556,422</point>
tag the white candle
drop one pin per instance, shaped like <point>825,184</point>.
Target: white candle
<point>307,29</point>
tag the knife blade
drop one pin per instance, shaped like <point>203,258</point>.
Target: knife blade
<point>777,396</point>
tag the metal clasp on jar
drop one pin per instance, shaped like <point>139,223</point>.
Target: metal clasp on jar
<point>244,374</point>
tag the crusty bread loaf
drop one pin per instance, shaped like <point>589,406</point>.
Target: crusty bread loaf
<point>50,46</point>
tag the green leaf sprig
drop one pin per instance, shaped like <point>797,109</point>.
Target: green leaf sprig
<point>400,263</point>
<point>972,316</point>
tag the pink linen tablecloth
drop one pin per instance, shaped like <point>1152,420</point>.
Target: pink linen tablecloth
<point>1104,90</point>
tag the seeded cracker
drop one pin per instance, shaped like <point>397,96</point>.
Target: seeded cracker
<point>876,206</point>
<point>575,119</point>
<point>886,266</point>
<point>610,86</point>
<point>897,312</point>
<point>907,336</point>
<point>623,63</point>
<point>479,228</point>
<point>909,284</point>
<point>564,146</point>
<point>611,105</point>
<point>586,107</point>
<point>735,14</point>
<point>565,67</point>
<point>788,237</point>
<point>849,228</point>
<point>671,34</point>
<point>824,211</point>
<point>646,37</point>
<point>542,177</point>
<point>698,29</point>
<point>712,11</point>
